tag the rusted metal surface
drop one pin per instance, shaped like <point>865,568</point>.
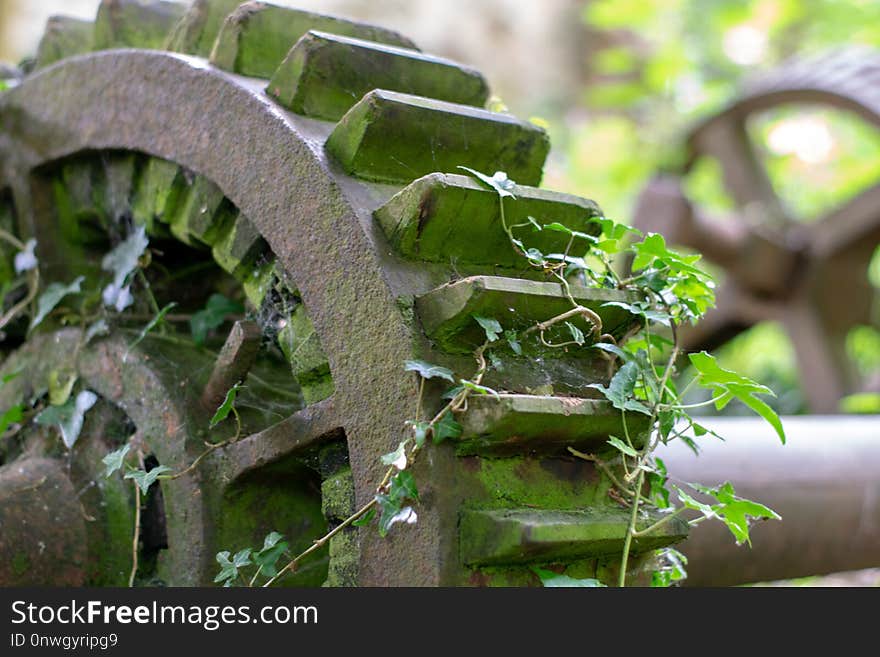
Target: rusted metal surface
<point>811,278</point>
<point>823,483</point>
<point>233,362</point>
<point>42,525</point>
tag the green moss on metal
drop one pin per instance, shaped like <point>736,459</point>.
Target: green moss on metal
<point>453,218</point>
<point>239,247</point>
<point>21,563</point>
<point>257,36</point>
<point>64,37</point>
<point>159,189</point>
<point>324,75</point>
<point>525,535</point>
<point>135,23</point>
<point>392,137</point>
<point>547,483</point>
<point>447,312</point>
<point>512,424</point>
<point>344,559</point>
<point>196,32</point>
<point>279,499</point>
<point>202,213</point>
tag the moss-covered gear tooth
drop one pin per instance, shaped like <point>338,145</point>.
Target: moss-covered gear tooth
<point>301,345</point>
<point>160,188</point>
<point>337,495</point>
<point>195,33</point>
<point>239,248</point>
<point>259,282</point>
<point>394,137</point>
<point>202,213</point>
<point>256,37</point>
<point>135,23</point>
<point>78,191</point>
<point>453,218</point>
<point>512,424</point>
<point>120,171</point>
<point>324,75</point>
<point>512,536</point>
<point>447,312</point>
<point>64,37</point>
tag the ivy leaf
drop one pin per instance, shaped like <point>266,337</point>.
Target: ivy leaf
<point>446,428</point>
<point>512,339</point>
<point>397,458</point>
<point>69,417</point>
<point>549,579</point>
<point>643,310</point>
<point>429,371</point>
<point>667,422</point>
<point>622,446</point>
<point>121,262</point>
<point>51,297</point>
<point>228,570</point>
<point>657,490</point>
<point>274,546</point>
<point>480,390</point>
<point>733,385</point>
<point>490,326</point>
<point>403,486</point>
<point>420,433</point>
<point>146,479</point>
<point>12,415</point>
<point>226,407</point>
<point>392,512</point>
<point>153,323</point>
<point>622,387</point>
<point>26,259</point>
<point>576,333</point>
<point>212,316</point>
<point>672,570</point>
<point>114,460</point>
<point>503,185</point>
<point>613,349</point>
<point>365,519</point>
<point>736,512</point>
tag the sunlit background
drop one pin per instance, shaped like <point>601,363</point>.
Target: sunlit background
<point>617,83</point>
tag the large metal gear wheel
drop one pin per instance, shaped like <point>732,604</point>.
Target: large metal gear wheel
<point>810,277</point>
<point>319,182</point>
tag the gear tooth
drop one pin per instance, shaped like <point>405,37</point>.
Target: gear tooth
<point>392,137</point>
<point>202,213</point>
<point>239,248</point>
<point>302,347</point>
<point>135,23</point>
<point>324,75</point>
<point>159,190</point>
<point>196,32</point>
<point>447,311</point>
<point>452,218</point>
<point>510,536</point>
<point>64,37</point>
<point>256,37</point>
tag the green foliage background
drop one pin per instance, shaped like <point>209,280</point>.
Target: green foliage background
<point>655,68</point>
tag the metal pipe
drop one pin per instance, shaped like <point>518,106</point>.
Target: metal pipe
<point>825,483</point>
